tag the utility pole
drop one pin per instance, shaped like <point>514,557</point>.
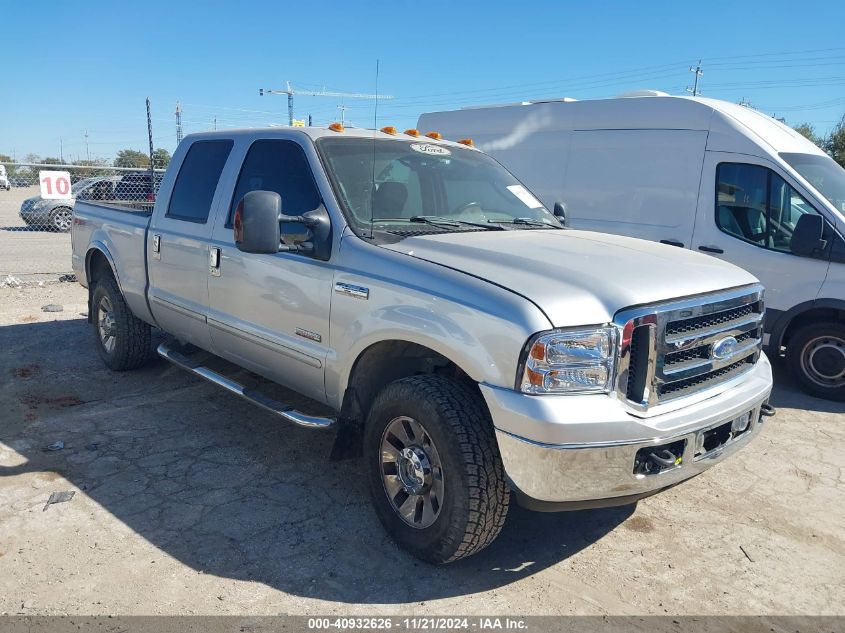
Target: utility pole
<point>342,113</point>
<point>289,91</point>
<point>178,123</point>
<point>215,123</point>
<point>61,150</point>
<point>698,72</point>
<point>87,152</point>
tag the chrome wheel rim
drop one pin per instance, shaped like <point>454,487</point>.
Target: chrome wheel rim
<point>105,324</point>
<point>411,472</point>
<point>823,361</point>
<point>62,219</point>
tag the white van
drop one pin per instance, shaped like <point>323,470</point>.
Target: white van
<point>697,173</point>
<point>4,181</point>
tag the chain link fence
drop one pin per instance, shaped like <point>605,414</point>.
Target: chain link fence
<point>36,211</point>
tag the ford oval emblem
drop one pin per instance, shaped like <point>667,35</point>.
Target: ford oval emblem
<point>724,348</point>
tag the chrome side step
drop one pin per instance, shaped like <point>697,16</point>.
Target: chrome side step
<point>284,411</point>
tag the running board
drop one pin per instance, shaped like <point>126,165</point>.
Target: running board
<point>284,411</point>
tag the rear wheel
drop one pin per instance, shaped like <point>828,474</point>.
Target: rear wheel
<point>816,357</point>
<point>61,219</point>
<point>436,478</point>
<point>123,341</point>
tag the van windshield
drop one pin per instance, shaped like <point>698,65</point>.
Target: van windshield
<point>826,176</point>
<point>405,187</point>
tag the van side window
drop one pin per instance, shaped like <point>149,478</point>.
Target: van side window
<point>756,205</point>
<point>280,166</point>
<point>197,180</point>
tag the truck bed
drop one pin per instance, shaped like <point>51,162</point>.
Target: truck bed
<point>121,232</point>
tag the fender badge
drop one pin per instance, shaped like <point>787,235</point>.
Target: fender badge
<point>311,336</point>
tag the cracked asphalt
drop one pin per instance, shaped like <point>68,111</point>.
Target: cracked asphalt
<point>190,501</point>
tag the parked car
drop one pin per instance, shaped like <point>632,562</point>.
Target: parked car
<point>700,174</point>
<point>56,215</point>
<point>4,180</point>
<point>136,187</point>
<point>462,339</point>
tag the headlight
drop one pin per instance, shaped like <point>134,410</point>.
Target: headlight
<point>569,361</point>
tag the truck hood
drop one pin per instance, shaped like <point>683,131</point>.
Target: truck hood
<point>577,277</point>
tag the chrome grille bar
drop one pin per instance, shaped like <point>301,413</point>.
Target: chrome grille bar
<point>692,345</point>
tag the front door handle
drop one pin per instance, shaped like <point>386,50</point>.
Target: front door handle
<point>214,261</point>
<point>673,243</point>
<point>710,249</point>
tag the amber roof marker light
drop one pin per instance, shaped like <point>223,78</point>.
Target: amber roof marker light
<point>412,132</point>
<point>389,129</point>
<point>467,141</point>
<point>435,135</point>
<point>336,127</point>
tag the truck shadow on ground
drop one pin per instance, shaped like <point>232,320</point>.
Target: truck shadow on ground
<point>226,489</point>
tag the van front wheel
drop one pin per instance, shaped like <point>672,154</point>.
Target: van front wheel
<point>816,357</point>
<point>435,474</point>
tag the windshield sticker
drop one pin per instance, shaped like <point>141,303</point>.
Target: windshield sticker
<point>435,150</point>
<point>525,196</point>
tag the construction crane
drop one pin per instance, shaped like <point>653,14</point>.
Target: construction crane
<point>289,91</point>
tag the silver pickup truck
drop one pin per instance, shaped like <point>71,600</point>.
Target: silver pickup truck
<point>454,332</point>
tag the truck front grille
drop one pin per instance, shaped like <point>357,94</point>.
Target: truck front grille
<point>677,349</point>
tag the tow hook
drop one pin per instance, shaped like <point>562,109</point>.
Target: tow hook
<point>767,410</point>
<point>654,460</point>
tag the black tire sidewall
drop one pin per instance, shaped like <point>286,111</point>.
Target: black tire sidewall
<point>795,350</point>
<point>438,542</point>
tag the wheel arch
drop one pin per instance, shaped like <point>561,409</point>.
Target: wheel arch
<point>798,316</point>
<point>98,262</point>
<point>379,364</point>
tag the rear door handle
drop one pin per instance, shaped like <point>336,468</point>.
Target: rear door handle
<point>156,246</point>
<point>673,243</point>
<point>710,249</point>
<point>214,261</point>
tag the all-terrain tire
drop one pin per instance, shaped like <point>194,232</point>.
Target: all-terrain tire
<point>815,356</point>
<point>131,346</point>
<point>476,497</point>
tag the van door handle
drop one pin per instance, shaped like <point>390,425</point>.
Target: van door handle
<point>156,246</point>
<point>710,249</point>
<point>673,243</point>
<point>214,261</point>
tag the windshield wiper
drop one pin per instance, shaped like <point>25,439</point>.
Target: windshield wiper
<point>439,220</point>
<point>526,222</point>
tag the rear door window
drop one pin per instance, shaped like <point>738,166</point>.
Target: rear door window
<point>197,181</point>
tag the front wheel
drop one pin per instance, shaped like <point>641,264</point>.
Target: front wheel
<point>436,477</point>
<point>816,357</point>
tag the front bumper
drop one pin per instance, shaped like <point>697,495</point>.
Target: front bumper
<point>574,449</point>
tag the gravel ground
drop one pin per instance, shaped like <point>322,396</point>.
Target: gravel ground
<point>189,501</point>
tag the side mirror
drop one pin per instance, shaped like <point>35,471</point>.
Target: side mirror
<point>258,227</point>
<point>256,223</point>
<point>560,212</point>
<point>807,235</point>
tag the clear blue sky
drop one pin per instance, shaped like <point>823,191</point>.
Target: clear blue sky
<point>68,67</point>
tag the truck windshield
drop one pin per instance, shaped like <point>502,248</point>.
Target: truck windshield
<point>403,187</point>
<point>826,176</point>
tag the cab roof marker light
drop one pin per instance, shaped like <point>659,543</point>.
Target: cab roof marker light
<point>435,135</point>
<point>336,127</point>
<point>412,132</point>
<point>389,129</point>
<point>467,141</point>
